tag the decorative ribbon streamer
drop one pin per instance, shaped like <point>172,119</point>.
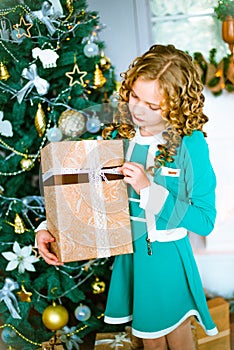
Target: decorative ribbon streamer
<point>41,85</point>
<point>9,298</point>
<point>115,343</point>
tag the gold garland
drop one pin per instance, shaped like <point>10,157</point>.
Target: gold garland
<point>40,344</point>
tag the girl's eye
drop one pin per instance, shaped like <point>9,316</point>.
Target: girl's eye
<point>154,108</point>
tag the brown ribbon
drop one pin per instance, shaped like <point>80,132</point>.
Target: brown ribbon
<point>70,179</point>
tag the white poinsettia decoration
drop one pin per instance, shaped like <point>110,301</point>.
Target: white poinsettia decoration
<point>67,335</point>
<point>21,258</point>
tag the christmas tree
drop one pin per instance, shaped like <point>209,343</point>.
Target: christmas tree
<point>52,67</point>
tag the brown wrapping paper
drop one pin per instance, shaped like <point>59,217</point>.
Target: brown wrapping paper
<point>86,201</point>
<point>112,341</point>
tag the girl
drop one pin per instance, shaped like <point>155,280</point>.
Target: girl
<point>171,191</point>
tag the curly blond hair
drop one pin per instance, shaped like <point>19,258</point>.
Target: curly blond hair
<point>182,102</point>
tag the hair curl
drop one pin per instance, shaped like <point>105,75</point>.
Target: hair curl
<point>182,102</point>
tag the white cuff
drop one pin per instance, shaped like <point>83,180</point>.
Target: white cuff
<point>153,197</point>
<point>42,226</point>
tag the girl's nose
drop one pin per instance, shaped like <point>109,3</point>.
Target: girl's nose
<point>138,107</point>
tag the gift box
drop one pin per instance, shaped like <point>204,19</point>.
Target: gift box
<point>86,199</point>
<point>219,310</point>
<point>112,341</point>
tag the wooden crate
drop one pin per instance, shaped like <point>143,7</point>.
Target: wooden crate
<point>219,310</point>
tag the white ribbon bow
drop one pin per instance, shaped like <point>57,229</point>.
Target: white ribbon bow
<point>9,298</point>
<point>41,85</point>
<point>115,343</point>
<point>43,15</point>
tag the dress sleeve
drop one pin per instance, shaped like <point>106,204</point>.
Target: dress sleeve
<point>193,207</point>
<point>41,226</point>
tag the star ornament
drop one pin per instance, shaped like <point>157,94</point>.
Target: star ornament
<point>24,295</point>
<point>76,72</point>
<point>27,26</point>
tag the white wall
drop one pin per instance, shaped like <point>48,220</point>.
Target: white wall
<point>127,33</point>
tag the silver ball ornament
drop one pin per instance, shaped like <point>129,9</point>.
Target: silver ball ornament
<point>7,335</point>
<point>54,134</point>
<point>82,313</point>
<point>91,50</point>
<point>17,35</point>
<point>93,125</point>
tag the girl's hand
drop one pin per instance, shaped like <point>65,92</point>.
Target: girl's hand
<point>135,175</point>
<point>44,238</point>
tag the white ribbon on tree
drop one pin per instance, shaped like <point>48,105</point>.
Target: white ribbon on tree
<point>9,298</point>
<point>115,343</point>
<point>47,11</point>
<point>40,84</point>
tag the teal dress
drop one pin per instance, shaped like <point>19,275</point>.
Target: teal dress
<point>159,286</point>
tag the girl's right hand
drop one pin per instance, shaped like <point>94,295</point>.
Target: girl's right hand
<point>43,239</point>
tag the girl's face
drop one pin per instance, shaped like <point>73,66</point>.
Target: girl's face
<point>144,105</point>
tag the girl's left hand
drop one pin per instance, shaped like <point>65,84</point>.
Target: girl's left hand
<point>135,175</point>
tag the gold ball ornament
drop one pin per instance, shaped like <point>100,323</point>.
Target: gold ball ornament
<point>26,164</point>
<point>55,317</point>
<point>104,63</point>
<point>71,123</point>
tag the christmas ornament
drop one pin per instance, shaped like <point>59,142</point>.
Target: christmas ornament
<point>104,62</point>
<point>4,32</point>
<point>27,25</point>
<point>71,123</point>
<point>55,317</point>
<point>41,85</point>
<point>8,335</point>
<point>47,57</point>
<point>69,337</point>
<point>54,134</point>
<point>20,258</point>
<point>19,224</point>
<point>5,126</point>
<point>80,75</point>
<point>4,74</point>
<point>57,8</point>
<point>99,79</point>
<point>7,295</point>
<point>18,35</point>
<point>40,121</point>
<point>114,99</point>
<point>26,163</point>
<point>98,286</point>
<point>91,49</point>
<point>24,295</point>
<point>43,15</point>
<point>93,124</point>
<point>82,313</point>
